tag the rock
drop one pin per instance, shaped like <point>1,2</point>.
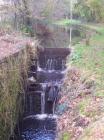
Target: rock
<point>62,108</point>
<point>89,84</point>
<point>81,121</point>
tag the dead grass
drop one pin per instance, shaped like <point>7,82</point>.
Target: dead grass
<point>77,83</point>
<point>13,73</point>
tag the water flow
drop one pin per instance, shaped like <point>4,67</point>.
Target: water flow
<point>31,110</point>
<point>49,64</point>
<point>43,98</point>
<point>43,103</point>
<point>57,88</point>
<point>53,64</point>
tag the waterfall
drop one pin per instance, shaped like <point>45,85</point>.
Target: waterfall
<point>31,107</point>
<point>45,92</point>
<point>50,65</point>
<point>39,121</point>
<point>51,71</point>
<point>53,107</point>
<point>43,103</point>
<point>43,98</point>
<point>54,64</point>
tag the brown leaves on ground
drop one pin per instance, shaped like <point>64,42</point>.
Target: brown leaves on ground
<point>11,44</point>
<point>83,111</point>
<point>84,108</point>
<point>76,84</point>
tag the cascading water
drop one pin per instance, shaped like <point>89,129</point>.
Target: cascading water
<point>39,120</point>
<point>43,99</point>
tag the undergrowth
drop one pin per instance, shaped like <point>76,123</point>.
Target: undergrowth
<point>90,59</point>
<point>11,89</point>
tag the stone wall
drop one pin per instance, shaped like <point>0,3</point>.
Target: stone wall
<point>14,63</point>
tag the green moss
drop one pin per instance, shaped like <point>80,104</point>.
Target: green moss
<point>66,136</point>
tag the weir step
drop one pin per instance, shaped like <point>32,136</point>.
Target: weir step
<point>34,92</point>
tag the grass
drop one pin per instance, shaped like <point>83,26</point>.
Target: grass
<point>11,87</point>
<point>90,58</point>
<point>82,106</point>
<point>94,132</point>
<point>86,108</point>
<point>66,22</point>
<point>87,26</point>
<point>66,136</point>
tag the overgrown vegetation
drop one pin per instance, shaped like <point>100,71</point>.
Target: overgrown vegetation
<point>11,90</point>
<point>90,10</point>
<point>91,59</point>
<point>84,84</point>
<point>85,107</point>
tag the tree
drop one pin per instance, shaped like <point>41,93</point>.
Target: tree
<point>91,9</point>
<point>22,10</point>
<point>97,7</point>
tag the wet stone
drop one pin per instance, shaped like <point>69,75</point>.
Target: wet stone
<point>61,108</point>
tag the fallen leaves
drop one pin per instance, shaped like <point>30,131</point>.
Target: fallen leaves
<point>11,44</point>
<point>73,121</point>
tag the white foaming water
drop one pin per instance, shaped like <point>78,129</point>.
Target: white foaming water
<point>41,116</point>
<point>39,69</point>
<point>31,79</point>
<point>64,71</point>
<point>50,71</point>
<point>44,116</point>
<point>51,116</point>
<point>38,116</point>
